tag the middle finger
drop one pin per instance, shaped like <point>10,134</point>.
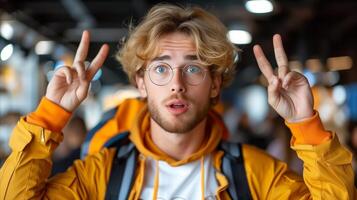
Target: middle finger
<point>280,56</point>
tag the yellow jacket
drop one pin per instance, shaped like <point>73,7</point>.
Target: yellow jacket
<point>327,166</point>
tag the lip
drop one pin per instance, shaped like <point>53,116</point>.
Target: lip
<point>177,110</point>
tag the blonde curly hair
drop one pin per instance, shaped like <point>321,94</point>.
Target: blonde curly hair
<point>207,32</point>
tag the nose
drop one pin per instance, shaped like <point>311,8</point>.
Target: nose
<point>177,83</point>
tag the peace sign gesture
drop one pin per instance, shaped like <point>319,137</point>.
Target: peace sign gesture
<point>289,92</point>
<point>69,85</point>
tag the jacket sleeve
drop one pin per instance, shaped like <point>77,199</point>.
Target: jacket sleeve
<point>327,169</point>
<point>25,173</point>
<point>327,172</point>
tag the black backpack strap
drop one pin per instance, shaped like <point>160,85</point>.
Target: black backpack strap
<point>123,169</point>
<point>233,169</point>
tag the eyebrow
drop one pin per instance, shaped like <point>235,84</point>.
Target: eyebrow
<point>167,57</point>
<point>191,57</point>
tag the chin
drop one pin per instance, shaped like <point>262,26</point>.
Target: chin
<point>180,125</point>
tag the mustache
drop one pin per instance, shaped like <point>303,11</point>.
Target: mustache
<point>177,96</point>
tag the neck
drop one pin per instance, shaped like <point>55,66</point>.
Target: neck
<point>178,145</point>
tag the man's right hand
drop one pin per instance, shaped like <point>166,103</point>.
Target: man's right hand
<point>69,85</point>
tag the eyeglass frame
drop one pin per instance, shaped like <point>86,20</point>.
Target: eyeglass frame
<point>204,68</point>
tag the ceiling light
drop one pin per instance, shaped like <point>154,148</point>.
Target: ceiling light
<point>239,37</point>
<point>44,47</point>
<point>7,31</point>
<point>6,52</point>
<point>339,94</point>
<point>295,65</point>
<point>255,103</point>
<point>314,65</point>
<point>339,63</point>
<point>259,6</point>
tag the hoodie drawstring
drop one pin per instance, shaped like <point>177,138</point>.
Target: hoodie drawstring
<point>203,177</point>
<point>156,180</point>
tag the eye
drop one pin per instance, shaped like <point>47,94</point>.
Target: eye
<point>160,69</point>
<point>193,69</point>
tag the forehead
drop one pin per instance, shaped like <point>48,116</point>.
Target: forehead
<point>176,42</point>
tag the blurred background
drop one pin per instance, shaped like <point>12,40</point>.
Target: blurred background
<point>319,36</point>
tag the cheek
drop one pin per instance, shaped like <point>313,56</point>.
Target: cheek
<point>155,93</point>
<point>199,95</point>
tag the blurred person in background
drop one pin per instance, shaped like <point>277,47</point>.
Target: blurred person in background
<point>279,145</point>
<point>69,150</point>
<point>270,134</point>
<point>179,59</point>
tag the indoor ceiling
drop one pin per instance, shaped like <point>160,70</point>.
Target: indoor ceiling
<point>310,28</point>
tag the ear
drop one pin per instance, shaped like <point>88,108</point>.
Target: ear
<point>141,85</point>
<point>216,85</point>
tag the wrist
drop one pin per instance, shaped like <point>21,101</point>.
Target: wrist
<point>303,117</point>
<point>64,106</point>
<point>309,131</point>
<point>49,115</point>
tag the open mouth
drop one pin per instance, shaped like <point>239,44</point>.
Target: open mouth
<point>177,107</point>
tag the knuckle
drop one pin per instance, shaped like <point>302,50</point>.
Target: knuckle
<point>63,69</point>
<point>77,64</point>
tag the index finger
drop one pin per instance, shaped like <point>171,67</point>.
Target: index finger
<point>83,47</point>
<point>263,62</point>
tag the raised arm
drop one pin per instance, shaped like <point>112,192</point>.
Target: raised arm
<point>327,172</point>
<point>24,174</point>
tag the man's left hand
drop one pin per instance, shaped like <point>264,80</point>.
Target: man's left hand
<point>289,92</point>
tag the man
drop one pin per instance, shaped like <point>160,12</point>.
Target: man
<point>179,59</point>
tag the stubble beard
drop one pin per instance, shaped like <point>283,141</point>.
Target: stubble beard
<point>184,123</point>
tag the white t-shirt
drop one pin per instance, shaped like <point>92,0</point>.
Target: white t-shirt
<point>181,182</point>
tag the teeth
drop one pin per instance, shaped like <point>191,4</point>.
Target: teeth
<point>177,105</point>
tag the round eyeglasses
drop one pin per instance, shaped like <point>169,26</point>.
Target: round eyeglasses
<point>161,73</point>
